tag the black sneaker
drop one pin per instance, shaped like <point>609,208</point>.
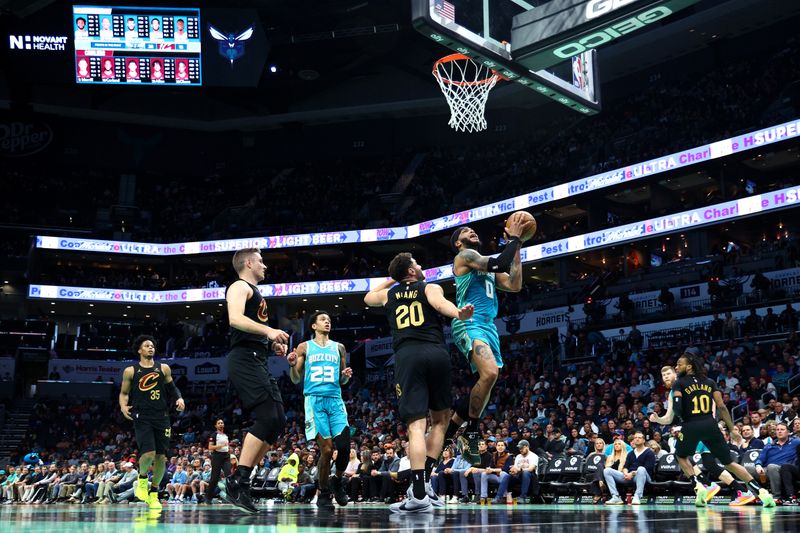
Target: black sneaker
<point>324,501</point>
<point>338,491</point>
<point>238,494</point>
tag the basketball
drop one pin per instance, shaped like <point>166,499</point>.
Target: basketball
<point>529,228</point>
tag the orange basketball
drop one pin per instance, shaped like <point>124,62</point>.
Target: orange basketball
<point>529,226</point>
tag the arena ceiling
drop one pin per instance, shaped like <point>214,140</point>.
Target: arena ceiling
<point>344,60</point>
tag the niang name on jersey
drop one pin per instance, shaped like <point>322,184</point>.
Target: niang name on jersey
<point>406,295</point>
<point>324,357</point>
<point>697,387</point>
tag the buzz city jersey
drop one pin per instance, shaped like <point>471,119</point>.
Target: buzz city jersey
<point>697,397</point>
<point>322,370</point>
<point>147,395</point>
<point>411,317</point>
<point>256,310</point>
<point>478,289</point>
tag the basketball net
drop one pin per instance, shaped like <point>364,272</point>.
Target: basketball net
<point>466,85</point>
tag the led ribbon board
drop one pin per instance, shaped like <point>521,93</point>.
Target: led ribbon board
<point>708,152</point>
<point>687,220</point>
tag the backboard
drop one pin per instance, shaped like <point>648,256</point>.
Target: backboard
<point>547,45</point>
<point>482,30</point>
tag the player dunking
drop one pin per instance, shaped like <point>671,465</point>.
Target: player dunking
<point>693,397</point>
<point>143,399</point>
<point>323,364</point>
<point>248,371</point>
<point>422,369</point>
<point>477,278</point>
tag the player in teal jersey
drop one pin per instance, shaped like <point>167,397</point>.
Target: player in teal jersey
<point>322,364</point>
<point>477,279</point>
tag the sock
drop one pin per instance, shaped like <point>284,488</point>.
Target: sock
<point>738,485</point>
<point>243,473</point>
<point>142,476</point>
<point>753,486</point>
<point>452,429</point>
<point>698,479</point>
<point>472,425</point>
<point>418,483</point>
<point>153,489</point>
<point>430,462</point>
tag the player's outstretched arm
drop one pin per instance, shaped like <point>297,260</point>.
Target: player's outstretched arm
<point>435,296</point>
<point>297,362</point>
<point>668,416</point>
<point>377,297</point>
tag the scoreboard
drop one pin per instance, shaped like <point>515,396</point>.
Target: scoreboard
<point>137,45</point>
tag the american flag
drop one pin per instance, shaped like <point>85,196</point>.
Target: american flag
<point>445,9</point>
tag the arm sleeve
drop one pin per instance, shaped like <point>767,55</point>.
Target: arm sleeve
<point>677,410</point>
<point>172,391</point>
<point>502,263</point>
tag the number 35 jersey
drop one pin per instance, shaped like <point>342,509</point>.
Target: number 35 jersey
<point>411,317</point>
<point>322,370</point>
<point>147,395</point>
<point>697,397</point>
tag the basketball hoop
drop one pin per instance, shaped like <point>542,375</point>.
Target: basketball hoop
<point>466,85</point>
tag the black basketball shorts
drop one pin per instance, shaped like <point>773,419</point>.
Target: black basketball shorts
<point>152,435</point>
<point>707,431</point>
<point>249,373</point>
<point>423,379</point>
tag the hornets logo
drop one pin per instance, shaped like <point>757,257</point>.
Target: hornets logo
<point>263,316</point>
<point>148,381</point>
<point>398,390</point>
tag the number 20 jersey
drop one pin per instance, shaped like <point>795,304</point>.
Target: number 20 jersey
<point>411,317</point>
<point>322,370</point>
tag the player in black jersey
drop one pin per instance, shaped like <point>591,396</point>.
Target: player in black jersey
<point>146,394</point>
<point>422,368</point>
<point>249,373</point>
<point>693,394</point>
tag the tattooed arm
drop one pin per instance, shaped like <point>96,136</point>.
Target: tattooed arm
<point>511,282</point>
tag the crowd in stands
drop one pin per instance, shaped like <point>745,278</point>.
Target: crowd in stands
<point>536,414</point>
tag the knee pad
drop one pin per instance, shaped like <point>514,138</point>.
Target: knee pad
<point>342,444</point>
<point>269,422</point>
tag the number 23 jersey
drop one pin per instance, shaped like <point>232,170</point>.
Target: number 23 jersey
<point>411,317</point>
<point>322,370</point>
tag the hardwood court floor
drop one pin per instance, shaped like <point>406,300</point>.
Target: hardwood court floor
<point>368,518</point>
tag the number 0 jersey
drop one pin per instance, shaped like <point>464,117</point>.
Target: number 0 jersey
<point>411,317</point>
<point>697,397</point>
<point>322,370</point>
<point>147,395</point>
<point>478,289</point>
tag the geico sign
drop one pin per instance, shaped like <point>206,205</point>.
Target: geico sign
<point>598,8</point>
<point>613,31</point>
